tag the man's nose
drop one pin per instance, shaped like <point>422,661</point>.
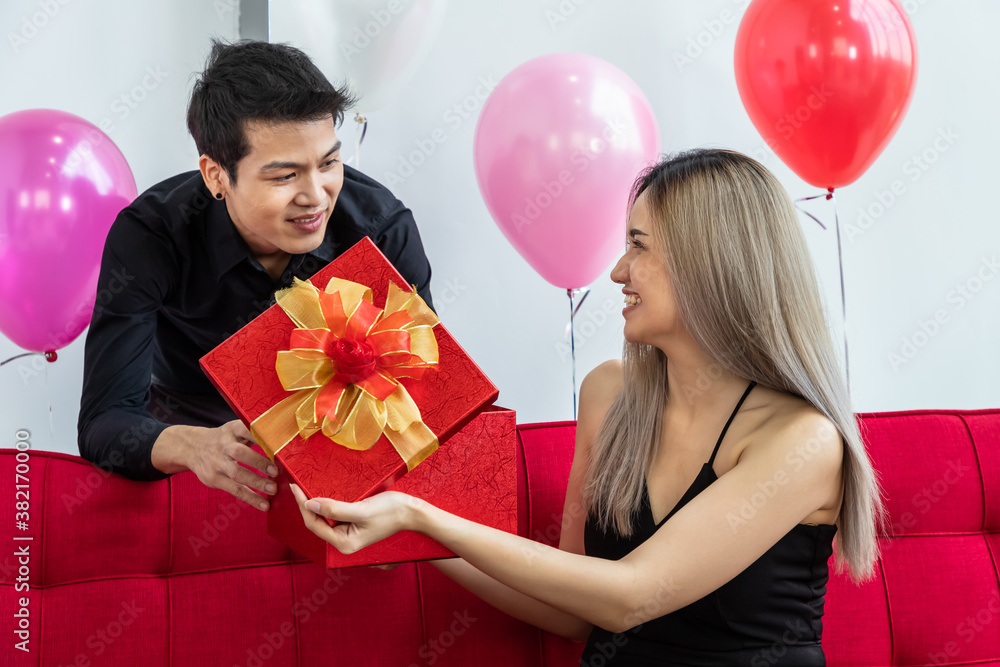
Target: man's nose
<point>312,192</point>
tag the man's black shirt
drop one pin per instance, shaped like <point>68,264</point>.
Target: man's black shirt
<point>176,280</point>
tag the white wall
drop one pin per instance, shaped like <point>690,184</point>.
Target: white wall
<point>898,272</point>
<point>82,60</point>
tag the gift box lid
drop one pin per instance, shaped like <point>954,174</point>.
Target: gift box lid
<point>242,368</point>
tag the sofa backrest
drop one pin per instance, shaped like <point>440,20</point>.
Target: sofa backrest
<point>173,573</point>
<point>935,596</point>
<point>935,599</point>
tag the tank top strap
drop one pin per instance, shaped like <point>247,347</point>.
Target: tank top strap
<point>746,393</point>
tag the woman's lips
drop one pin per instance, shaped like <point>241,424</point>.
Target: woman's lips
<point>632,301</point>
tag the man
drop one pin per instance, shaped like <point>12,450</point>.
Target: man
<point>196,257</point>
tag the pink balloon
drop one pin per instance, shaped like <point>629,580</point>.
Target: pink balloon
<point>62,182</point>
<point>558,144</point>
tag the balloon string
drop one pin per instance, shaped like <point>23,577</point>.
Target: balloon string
<point>569,327</point>
<point>18,356</point>
<point>48,397</point>
<point>571,332</point>
<point>586,293</point>
<point>827,195</point>
<point>840,263</point>
<point>363,122</point>
<point>572,344</point>
<point>843,298</point>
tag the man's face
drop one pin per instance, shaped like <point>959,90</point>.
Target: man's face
<point>286,186</point>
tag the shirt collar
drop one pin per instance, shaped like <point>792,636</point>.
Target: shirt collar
<point>227,247</point>
<point>327,249</point>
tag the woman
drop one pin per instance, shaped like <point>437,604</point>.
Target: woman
<point>713,465</point>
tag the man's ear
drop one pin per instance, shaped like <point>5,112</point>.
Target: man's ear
<point>216,178</point>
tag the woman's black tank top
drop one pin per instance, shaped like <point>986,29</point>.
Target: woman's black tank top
<point>769,614</point>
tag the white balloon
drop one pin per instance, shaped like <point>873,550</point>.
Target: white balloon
<point>374,45</point>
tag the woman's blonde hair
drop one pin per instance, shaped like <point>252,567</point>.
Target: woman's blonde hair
<point>745,289</point>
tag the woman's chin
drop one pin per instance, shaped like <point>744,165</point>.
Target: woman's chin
<point>632,337</point>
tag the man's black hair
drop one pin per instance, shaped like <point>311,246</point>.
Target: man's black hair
<point>253,80</point>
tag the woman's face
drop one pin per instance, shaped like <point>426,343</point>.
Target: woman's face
<point>650,310</point>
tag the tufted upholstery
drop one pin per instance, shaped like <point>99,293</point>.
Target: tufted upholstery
<point>935,600</point>
<point>172,573</point>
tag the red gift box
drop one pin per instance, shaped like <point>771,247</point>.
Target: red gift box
<point>448,397</point>
<point>473,476</point>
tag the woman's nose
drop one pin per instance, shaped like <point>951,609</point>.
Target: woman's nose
<point>619,274</point>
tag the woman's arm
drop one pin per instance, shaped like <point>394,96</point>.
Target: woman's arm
<point>511,602</point>
<point>597,391</point>
<point>705,544</point>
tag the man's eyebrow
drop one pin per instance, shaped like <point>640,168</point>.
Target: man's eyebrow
<point>277,164</point>
<point>636,232</point>
<point>336,147</point>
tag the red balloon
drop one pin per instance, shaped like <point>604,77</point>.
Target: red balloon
<point>826,82</point>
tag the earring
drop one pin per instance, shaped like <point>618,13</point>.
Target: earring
<point>218,195</point>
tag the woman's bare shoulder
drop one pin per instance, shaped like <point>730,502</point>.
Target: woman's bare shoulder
<point>598,391</point>
<point>795,436</point>
<point>783,409</point>
<point>789,419</point>
<point>605,379</point>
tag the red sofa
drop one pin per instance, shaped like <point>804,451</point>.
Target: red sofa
<point>171,573</point>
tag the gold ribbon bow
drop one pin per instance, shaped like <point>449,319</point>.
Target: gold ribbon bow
<point>344,364</point>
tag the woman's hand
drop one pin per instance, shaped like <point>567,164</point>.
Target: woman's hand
<point>360,524</point>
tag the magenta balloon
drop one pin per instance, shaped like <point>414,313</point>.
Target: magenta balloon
<point>558,145</point>
<point>62,182</point>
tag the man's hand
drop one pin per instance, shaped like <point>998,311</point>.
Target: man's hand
<point>214,455</point>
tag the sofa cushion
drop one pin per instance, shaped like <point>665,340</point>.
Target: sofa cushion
<point>170,572</point>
